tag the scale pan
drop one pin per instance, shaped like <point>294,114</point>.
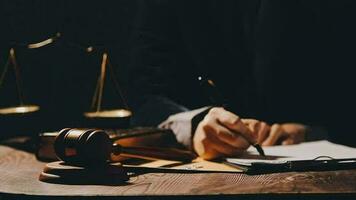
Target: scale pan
<point>23,109</point>
<point>117,113</point>
<point>109,119</point>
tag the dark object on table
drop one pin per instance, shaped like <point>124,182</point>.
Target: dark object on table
<point>322,163</point>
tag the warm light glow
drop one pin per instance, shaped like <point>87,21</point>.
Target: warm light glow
<point>109,114</point>
<point>89,49</point>
<point>40,44</point>
<point>211,82</point>
<point>12,52</point>
<point>44,42</point>
<point>19,109</point>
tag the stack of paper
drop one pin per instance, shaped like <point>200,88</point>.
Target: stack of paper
<point>303,151</point>
<point>275,154</point>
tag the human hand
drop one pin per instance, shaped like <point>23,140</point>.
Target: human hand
<point>284,134</point>
<point>259,128</point>
<point>222,133</point>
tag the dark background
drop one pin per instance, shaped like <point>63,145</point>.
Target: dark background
<point>302,57</point>
<point>315,39</point>
<point>61,77</point>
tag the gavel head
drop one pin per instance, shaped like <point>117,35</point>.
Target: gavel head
<point>83,146</point>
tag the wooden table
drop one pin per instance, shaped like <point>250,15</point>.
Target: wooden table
<point>19,172</point>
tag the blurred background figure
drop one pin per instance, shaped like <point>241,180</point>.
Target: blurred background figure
<point>274,61</point>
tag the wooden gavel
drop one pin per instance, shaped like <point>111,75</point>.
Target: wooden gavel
<point>93,146</point>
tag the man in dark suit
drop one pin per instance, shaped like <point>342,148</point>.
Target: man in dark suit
<point>243,47</point>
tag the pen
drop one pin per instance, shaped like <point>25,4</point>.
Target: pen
<point>259,149</point>
<point>215,97</point>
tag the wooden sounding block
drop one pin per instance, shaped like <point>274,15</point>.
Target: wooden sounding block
<point>104,174</point>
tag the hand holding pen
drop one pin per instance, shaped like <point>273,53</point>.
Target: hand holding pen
<point>222,133</point>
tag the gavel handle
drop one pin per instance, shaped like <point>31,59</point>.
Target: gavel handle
<point>152,153</point>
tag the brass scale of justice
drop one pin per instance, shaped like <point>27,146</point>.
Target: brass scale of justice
<point>85,152</point>
<point>96,113</point>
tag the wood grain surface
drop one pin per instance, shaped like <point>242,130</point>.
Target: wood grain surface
<point>19,173</point>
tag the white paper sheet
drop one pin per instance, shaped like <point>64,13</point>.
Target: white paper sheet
<point>303,151</point>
